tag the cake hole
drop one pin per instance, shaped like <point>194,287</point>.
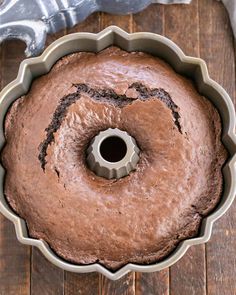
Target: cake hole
<point>113,149</point>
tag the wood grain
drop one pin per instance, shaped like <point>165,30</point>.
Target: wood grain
<point>14,262</point>
<point>152,20</point>
<point>91,24</point>
<point>188,276</point>
<point>12,55</point>
<point>123,286</point>
<point>45,277</point>
<point>181,26</point>
<point>14,257</point>
<point>216,47</point>
<point>42,274</point>
<point>156,283</point>
<point>201,28</point>
<point>81,284</point>
<point>125,22</point>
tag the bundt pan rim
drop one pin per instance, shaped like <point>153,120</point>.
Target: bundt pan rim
<point>163,48</point>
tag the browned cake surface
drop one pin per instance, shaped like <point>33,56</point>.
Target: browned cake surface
<point>139,218</point>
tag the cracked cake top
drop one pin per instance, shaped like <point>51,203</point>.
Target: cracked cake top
<point>142,217</point>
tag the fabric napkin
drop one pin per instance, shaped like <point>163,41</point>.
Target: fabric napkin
<point>231,7</point>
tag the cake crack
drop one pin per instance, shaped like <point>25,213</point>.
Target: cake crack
<point>104,95</point>
<point>57,119</point>
<point>163,96</point>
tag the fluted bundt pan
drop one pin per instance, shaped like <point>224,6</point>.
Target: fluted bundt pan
<point>156,45</point>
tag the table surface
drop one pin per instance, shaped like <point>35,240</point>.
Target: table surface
<point>200,29</point>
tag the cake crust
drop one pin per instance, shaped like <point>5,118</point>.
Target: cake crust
<point>140,218</point>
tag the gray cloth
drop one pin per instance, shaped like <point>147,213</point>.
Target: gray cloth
<point>231,7</point>
<point>229,4</point>
<point>172,1</point>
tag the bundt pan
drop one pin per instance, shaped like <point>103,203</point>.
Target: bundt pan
<point>156,45</point>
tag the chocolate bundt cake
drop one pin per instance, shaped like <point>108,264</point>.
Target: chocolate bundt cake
<point>139,218</point>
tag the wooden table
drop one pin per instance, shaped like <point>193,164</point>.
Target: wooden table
<point>200,29</point>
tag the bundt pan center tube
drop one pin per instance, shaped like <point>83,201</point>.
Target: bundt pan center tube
<point>114,154</point>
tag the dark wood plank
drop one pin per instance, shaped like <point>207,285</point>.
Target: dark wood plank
<point>14,257</point>
<point>181,26</point>
<point>156,283</point>
<point>82,284</point>
<point>123,286</point>
<point>54,37</point>
<point>217,48</point>
<point>188,276</point>
<point>14,262</point>
<point>125,22</point>
<point>151,20</point>
<point>45,277</point>
<point>1,66</point>
<point>126,284</point>
<point>217,44</point>
<point>12,55</point>
<point>91,24</point>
